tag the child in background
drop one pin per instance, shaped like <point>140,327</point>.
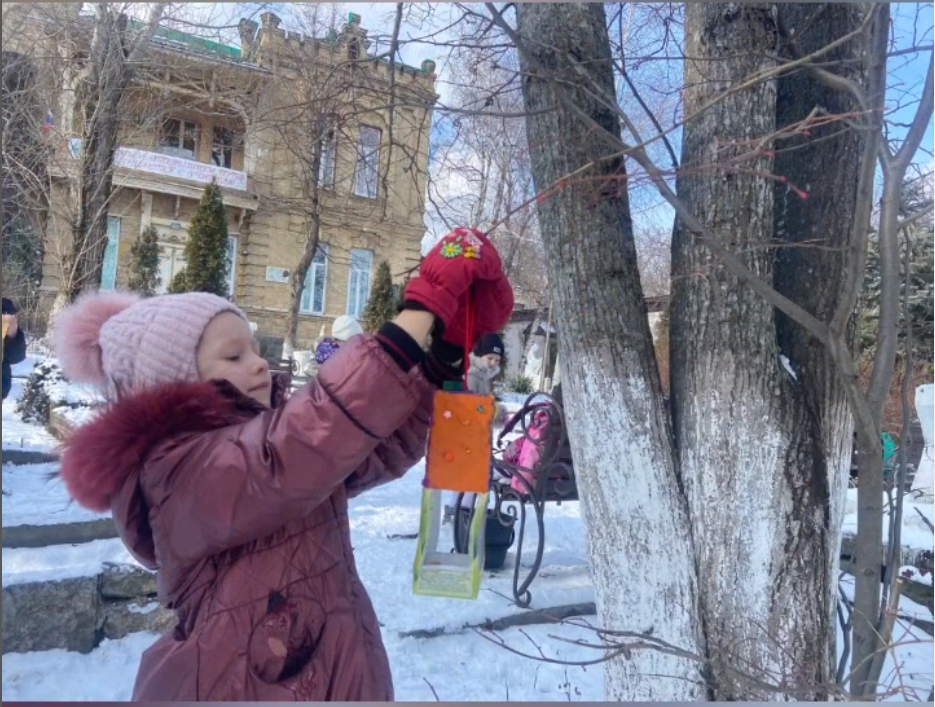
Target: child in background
<point>485,364</point>
<point>237,497</point>
<point>342,330</point>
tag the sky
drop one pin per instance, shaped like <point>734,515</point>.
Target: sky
<point>427,22</point>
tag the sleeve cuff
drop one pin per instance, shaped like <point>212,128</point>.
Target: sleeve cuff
<point>401,347</point>
<point>444,363</point>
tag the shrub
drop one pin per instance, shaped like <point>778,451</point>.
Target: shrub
<point>520,384</point>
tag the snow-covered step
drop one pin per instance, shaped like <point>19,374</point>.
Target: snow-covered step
<point>37,511</point>
<point>22,457</point>
<point>35,536</point>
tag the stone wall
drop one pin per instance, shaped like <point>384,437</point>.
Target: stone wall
<point>77,614</point>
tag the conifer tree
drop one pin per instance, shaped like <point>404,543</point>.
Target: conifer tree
<point>381,307</point>
<point>206,265</point>
<point>178,284</point>
<point>921,237</point>
<point>144,263</point>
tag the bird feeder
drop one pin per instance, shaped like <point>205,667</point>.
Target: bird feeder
<point>458,460</point>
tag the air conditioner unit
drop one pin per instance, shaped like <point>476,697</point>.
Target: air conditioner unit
<point>300,362</point>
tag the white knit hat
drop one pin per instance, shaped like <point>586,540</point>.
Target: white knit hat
<point>345,327</point>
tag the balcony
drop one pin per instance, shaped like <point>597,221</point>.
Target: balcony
<point>180,176</point>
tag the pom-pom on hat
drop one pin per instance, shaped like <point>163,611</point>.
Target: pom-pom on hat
<point>345,327</point>
<point>121,343</point>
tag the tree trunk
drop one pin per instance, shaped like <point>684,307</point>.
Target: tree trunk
<point>826,164</point>
<point>762,427</point>
<point>102,87</point>
<point>297,284</point>
<point>312,190</point>
<point>530,340</point>
<point>639,539</point>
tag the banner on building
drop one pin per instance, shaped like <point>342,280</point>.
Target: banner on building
<point>169,166</point>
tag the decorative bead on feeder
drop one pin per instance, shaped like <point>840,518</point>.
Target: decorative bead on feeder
<point>458,460</point>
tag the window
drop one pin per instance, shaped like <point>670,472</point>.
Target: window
<point>328,154</point>
<point>222,148</point>
<point>313,295</point>
<point>353,51</point>
<point>172,261</point>
<point>179,138</point>
<point>366,175</point>
<point>358,281</point>
<point>109,270</point>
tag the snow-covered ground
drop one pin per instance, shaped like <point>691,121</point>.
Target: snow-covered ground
<point>459,668</point>
<point>907,672</point>
<point>461,665</point>
<point>33,496</point>
<point>916,534</point>
<point>46,564</point>
<point>28,436</point>
<point>17,434</point>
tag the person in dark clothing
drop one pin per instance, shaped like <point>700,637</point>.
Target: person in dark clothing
<point>14,344</point>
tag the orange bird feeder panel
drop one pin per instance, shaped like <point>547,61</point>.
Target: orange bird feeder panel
<point>459,447</point>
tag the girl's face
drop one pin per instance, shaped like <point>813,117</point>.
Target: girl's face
<point>229,352</point>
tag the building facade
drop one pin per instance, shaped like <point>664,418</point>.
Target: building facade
<point>243,117</point>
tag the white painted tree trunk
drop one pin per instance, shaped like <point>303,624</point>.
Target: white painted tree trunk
<point>638,538</point>
<point>638,534</point>
<point>724,537</point>
<point>761,421</point>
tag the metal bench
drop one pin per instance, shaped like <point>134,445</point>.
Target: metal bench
<point>551,481</point>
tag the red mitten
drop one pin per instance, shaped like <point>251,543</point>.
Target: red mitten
<point>463,258</point>
<point>491,307</point>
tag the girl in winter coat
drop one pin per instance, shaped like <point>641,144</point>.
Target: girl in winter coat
<point>237,497</point>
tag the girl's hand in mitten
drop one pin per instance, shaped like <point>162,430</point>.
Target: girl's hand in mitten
<point>491,307</point>
<point>464,260</point>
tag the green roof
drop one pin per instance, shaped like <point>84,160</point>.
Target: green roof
<point>199,44</point>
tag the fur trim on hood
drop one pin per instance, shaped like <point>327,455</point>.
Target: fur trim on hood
<point>102,459</point>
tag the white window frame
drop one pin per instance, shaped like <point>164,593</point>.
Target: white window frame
<point>309,286</point>
<point>218,147</point>
<point>367,166</point>
<point>178,150</point>
<point>105,284</point>
<point>232,243</point>
<point>176,256</point>
<point>354,284</point>
<point>176,259</point>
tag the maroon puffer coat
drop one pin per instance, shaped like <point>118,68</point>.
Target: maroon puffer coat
<point>242,510</point>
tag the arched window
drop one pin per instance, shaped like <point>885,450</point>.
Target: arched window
<point>353,51</point>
